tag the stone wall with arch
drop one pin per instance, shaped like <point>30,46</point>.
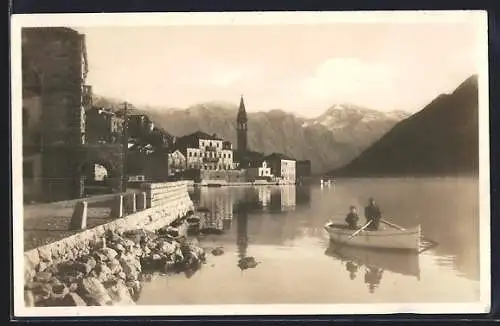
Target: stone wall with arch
<point>110,156</point>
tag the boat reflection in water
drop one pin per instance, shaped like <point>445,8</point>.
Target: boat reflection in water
<point>373,263</point>
<point>244,261</point>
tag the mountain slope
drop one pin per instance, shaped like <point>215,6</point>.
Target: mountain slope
<point>278,131</point>
<point>268,132</point>
<point>442,139</point>
<point>357,125</point>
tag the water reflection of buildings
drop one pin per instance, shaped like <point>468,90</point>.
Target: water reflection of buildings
<point>242,229</point>
<point>264,194</point>
<point>221,201</point>
<point>282,198</point>
<point>219,205</point>
<point>288,198</point>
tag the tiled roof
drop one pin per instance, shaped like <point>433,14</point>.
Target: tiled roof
<point>192,140</point>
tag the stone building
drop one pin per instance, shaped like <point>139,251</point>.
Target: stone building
<point>258,170</point>
<point>206,152</point>
<point>54,66</point>
<point>282,167</point>
<point>103,126</point>
<point>139,125</point>
<point>176,162</point>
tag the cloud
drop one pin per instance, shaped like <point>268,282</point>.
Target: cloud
<point>217,75</point>
<point>349,80</point>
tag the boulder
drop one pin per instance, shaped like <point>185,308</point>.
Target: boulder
<point>120,294</point>
<point>217,251</point>
<point>247,262</point>
<point>45,253</point>
<point>31,258</point>
<point>103,272</point>
<point>43,277</point>
<point>89,262</point>
<point>74,299</point>
<point>29,298</point>
<point>109,253</point>
<point>134,288</point>
<point>29,274</point>
<point>59,291</point>
<point>41,292</point>
<point>131,267</point>
<point>93,292</point>
<point>167,248</point>
<point>42,266</point>
<point>114,266</point>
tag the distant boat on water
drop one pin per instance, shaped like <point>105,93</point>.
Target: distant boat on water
<point>327,181</point>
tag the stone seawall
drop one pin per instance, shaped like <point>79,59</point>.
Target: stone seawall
<point>166,202</point>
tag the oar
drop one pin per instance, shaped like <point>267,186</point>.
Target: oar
<point>392,224</point>
<point>357,232</point>
<point>353,235</point>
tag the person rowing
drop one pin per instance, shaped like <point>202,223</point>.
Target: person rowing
<point>373,214</point>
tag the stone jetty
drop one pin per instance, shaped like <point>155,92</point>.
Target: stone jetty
<point>105,265</point>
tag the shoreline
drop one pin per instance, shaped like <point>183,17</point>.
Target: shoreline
<point>239,184</point>
<point>102,265</point>
<point>111,269</point>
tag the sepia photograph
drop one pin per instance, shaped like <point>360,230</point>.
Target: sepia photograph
<point>257,163</point>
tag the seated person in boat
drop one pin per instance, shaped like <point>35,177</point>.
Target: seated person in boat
<point>372,213</point>
<point>352,218</point>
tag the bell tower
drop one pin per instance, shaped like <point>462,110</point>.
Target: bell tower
<point>241,128</point>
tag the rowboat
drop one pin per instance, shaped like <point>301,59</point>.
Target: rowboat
<point>389,238</point>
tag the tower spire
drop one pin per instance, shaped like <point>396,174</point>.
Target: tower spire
<point>241,131</point>
<point>242,113</point>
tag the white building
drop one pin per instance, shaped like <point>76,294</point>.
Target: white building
<point>176,162</point>
<point>206,152</point>
<point>259,170</point>
<point>283,168</point>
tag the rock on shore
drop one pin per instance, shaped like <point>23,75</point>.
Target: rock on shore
<point>110,273</point>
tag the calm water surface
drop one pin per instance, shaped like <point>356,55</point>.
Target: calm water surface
<point>282,227</point>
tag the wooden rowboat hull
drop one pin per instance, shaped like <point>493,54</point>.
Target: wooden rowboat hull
<point>389,238</point>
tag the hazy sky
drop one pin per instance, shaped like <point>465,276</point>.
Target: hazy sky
<point>299,68</point>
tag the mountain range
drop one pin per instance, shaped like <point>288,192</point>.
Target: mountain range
<point>441,139</point>
<point>329,140</point>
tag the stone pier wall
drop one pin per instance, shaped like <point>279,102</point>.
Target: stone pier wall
<point>166,193</point>
<point>165,203</point>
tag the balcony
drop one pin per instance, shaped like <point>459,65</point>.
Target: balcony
<point>210,160</point>
<point>211,148</point>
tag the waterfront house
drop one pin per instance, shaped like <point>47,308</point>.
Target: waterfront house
<point>259,170</point>
<point>206,152</point>
<point>282,167</point>
<point>176,162</point>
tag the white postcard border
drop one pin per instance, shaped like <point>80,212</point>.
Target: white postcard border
<point>249,18</point>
